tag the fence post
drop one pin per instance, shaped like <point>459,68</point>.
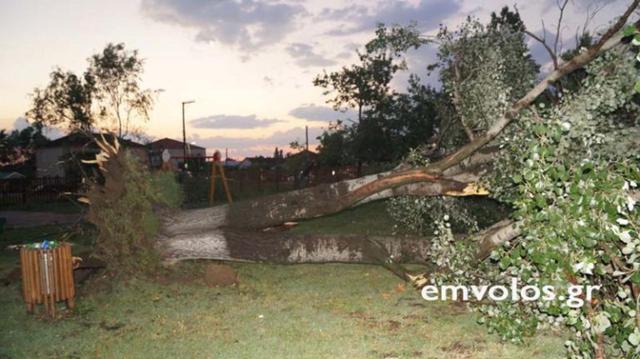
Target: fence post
<point>24,192</point>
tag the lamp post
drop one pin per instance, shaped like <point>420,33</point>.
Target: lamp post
<point>184,136</point>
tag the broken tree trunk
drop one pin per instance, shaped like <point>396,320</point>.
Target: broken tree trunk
<point>284,248</point>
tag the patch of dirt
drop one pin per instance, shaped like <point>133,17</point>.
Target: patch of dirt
<point>372,323</point>
<point>393,325</point>
<point>220,275</point>
<point>96,285</point>
<point>461,350</point>
<point>416,318</point>
<point>12,277</point>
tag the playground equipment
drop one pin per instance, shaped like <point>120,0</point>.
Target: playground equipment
<point>217,163</point>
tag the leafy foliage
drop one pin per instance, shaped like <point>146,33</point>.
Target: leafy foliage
<point>107,95</point>
<point>388,123</point>
<point>420,215</point>
<point>483,69</point>
<point>122,209</point>
<point>569,171</point>
<point>568,167</point>
<point>17,149</point>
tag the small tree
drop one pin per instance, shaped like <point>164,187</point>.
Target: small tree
<point>365,87</point>
<point>107,96</point>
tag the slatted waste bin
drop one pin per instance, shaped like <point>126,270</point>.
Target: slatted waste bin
<point>47,275</point>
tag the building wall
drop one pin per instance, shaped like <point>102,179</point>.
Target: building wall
<point>177,154</point>
<point>48,159</point>
<point>47,162</point>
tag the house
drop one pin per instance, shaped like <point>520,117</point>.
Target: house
<point>62,157</point>
<point>175,150</point>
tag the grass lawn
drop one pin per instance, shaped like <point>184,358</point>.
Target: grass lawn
<point>277,311</point>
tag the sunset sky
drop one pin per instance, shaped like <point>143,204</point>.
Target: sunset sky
<point>248,64</point>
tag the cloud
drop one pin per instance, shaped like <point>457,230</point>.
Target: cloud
<point>232,122</point>
<point>305,56</point>
<point>268,81</point>
<point>247,146</point>
<point>313,112</point>
<point>245,24</point>
<point>427,13</point>
<point>51,133</point>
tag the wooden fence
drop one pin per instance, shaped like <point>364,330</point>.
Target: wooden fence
<point>27,190</point>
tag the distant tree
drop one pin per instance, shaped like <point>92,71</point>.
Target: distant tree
<point>335,147</point>
<point>114,76</point>
<point>107,96</point>
<point>277,154</point>
<point>17,149</point>
<point>296,146</point>
<point>414,117</point>
<point>66,101</point>
<point>365,87</point>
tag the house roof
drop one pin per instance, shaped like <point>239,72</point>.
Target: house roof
<point>80,139</point>
<point>311,154</point>
<point>171,144</point>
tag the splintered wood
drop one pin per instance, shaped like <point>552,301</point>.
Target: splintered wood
<point>47,277</point>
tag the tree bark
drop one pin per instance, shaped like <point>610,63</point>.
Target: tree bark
<point>285,248</point>
<point>317,201</point>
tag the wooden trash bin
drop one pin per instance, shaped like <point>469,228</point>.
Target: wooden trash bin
<point>47,277</point>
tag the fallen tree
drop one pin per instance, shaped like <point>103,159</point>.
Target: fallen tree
<point>233,232</point>
<point>454,175</point>
<point>249,230</point>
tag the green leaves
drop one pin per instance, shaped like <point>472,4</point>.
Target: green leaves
<point>629,30</point>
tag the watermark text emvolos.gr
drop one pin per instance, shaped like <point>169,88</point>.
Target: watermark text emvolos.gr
<point>575,296</point>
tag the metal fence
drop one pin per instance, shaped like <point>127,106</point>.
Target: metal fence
<point>254,182</point>
<point>27,190</point>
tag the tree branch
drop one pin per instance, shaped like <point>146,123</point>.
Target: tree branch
<point>610,39</point>
<point>552,54</point>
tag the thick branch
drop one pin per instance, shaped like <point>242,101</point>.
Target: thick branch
<point>495,236</point>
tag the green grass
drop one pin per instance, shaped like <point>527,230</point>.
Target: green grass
<point>368,219</point>
<point>277,311</point>
<point>302,311</point>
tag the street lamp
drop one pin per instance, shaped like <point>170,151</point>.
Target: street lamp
<point>184,135</point>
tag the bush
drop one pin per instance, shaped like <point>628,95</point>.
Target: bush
<point>122,211</point>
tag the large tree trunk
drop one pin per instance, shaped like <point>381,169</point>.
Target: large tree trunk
<point>282,247</point>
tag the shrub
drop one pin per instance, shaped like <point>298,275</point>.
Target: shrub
<point>122,209</point>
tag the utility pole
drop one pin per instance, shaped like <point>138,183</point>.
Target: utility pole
<point>184,136</point>
<point>306,135</point>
